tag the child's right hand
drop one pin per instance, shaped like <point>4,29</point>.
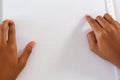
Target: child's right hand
<point>104,40</point>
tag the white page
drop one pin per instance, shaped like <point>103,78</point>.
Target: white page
<point>117,6</point>
<point>0,10</point>
<point>117,12</point>
<point>59,28</point>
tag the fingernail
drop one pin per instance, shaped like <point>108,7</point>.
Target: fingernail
<point>88,17</point>
<point>33,43</point>
<point>11,21</point>
<point>107,13</point>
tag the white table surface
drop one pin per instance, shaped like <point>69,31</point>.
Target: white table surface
<point>0,10</point>
<point>117,9</point>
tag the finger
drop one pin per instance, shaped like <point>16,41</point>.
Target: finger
<point>92,41</point>
<point>105,24</point>
<point>109,19</point>
<point>25,55</point>
<point>4,27</point>
<point>95,26</point>
<point>117,23</point>
<point>11,33</point>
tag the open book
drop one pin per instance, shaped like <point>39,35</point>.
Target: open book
<point>60,30</point>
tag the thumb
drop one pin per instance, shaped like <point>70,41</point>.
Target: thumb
<point>24,57</point>
<point>92,41</point>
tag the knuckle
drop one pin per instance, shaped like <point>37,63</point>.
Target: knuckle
<point>102,35</point>
<point>111,29</point>
<point>22,64</point>
<point>12,46</point>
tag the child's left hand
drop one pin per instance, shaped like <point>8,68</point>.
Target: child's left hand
<point>10,64</point>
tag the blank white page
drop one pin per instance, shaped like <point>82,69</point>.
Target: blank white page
<point>60,31</point>
<point>0,10</point>
<point>117,8</point>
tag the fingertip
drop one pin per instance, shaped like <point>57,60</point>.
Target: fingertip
<point>5,21</point>
<point>98,17</point>
<point>8,21</point>
<point>87,16</point>
<point>27,51</point>
<point>107,15</point>
<point>32,43</point>
<point>11,21</point>
<point>29,47</point>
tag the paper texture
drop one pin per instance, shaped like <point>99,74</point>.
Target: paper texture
<point>0,10</point>
<point>117,9</point>
<point>60,31</point>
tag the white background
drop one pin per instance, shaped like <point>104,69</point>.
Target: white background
<point>117,6</point>
<point>47,67</point>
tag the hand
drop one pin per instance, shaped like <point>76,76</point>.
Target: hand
<point>10,64</point>
<point>104,40</point>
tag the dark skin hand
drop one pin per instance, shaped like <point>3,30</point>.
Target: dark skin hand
<point>10,64</point>
<point>104,40</point>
